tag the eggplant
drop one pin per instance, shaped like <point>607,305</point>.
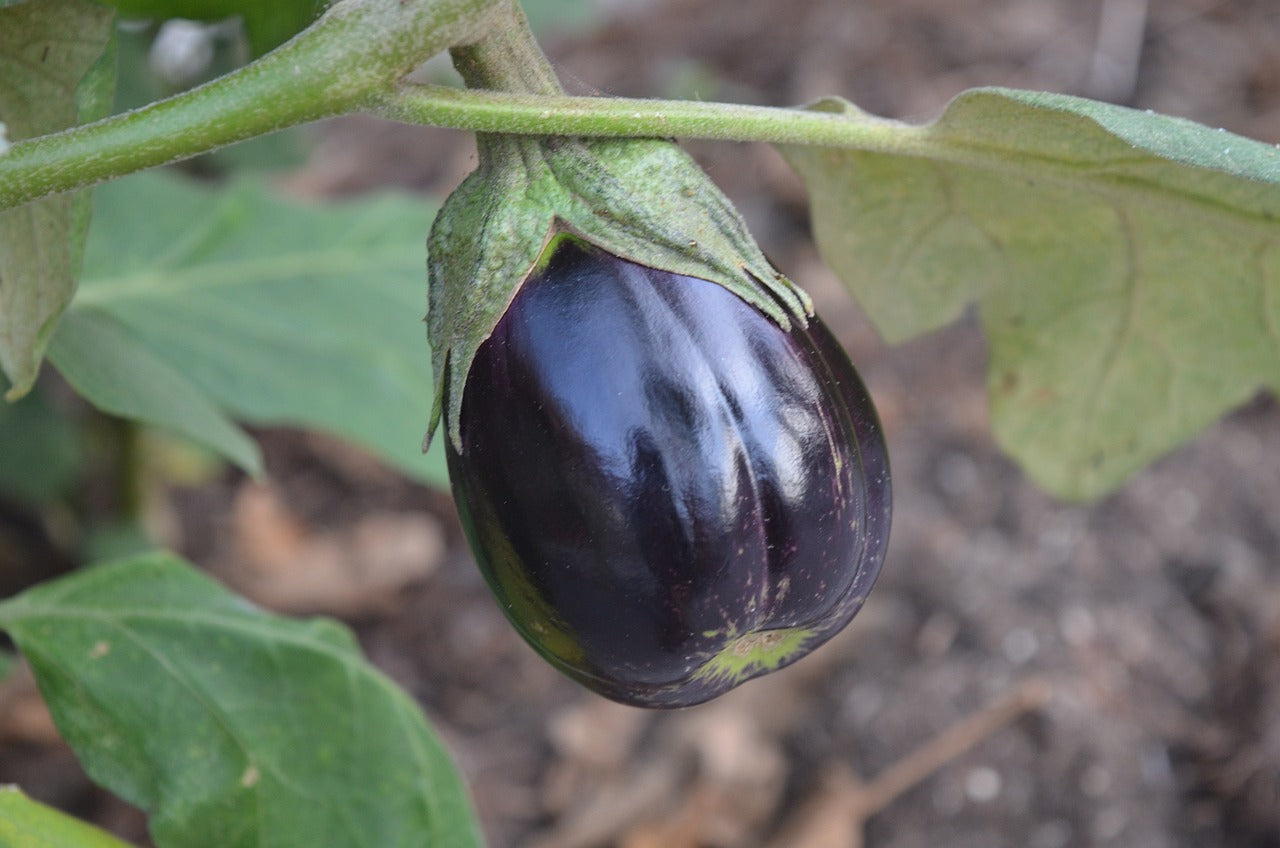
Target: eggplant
<point>667,491</point>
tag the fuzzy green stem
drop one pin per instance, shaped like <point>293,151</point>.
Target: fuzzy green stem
<point>507,58</point>
<point>354,52</point>
<point>616,117</point>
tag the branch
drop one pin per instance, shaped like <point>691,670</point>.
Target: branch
<point>540,114</point>
<point>357,50</point>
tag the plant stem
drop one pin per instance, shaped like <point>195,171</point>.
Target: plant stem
<point>355,51</point>
<point>507,58</point>
<point>527,114</point>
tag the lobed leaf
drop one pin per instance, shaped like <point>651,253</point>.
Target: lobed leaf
<point>25,823</point>
<point>231,726</point>
<point>272,312</point>
<point>1126,266</point>
<point>57,71</point>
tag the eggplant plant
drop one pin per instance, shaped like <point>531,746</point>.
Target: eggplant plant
<point>672,477</point>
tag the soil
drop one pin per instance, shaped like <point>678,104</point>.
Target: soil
<point>1068,675</point>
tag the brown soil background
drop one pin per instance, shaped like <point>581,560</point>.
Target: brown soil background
<point>1129,646</point>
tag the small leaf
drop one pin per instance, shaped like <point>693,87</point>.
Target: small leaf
<point>277,313</point>
<point>52,64</point>
<point>267,23</point>
<point>231,726</point>
<point>25,823</point>
<point>1126,266</point>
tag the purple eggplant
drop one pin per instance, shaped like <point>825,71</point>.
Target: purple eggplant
<point>668,493</point>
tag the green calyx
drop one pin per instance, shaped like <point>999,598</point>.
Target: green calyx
<point>643,200</point>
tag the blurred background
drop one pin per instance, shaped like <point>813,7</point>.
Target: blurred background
<point>1104,674</point>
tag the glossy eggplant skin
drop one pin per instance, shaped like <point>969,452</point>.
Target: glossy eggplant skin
<point>668,493</point>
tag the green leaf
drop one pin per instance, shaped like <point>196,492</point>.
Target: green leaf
<point>268,23</point>
<point>25,823</point>
<point>278,313</point>
<point>103,361</point>
<point>1126,266</point>
<point>561,17</point>
<point>231,726</point>
<point>41,449</point>
<point>54,61</point>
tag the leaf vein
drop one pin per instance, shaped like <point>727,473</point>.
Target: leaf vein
<point>245,272</point>
<point>1112,356</point>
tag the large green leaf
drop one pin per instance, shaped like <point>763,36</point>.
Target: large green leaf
<point>268,22</point>
<point>278,313</point>
<point>1126,266</point>
<point>55,71</point>
<point>230,726</point>
<point>25,823</point>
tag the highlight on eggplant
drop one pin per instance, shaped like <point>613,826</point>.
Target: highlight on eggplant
<point>668,493</point>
